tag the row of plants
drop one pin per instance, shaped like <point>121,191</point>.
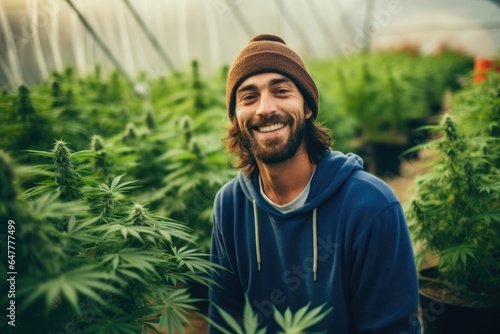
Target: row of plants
<point>87,258</point>
<point>91,261</point>
<point>164,132</point>
<point>100,165</point>
<point>101,245</point>
<point>455,215</point>
<point>385,97</point>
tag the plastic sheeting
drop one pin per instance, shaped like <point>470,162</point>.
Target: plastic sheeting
<point>38,36</point>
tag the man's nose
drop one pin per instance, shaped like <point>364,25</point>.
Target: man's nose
<point>267,105</point>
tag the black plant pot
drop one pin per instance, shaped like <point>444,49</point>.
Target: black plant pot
<point>200,291</point>
<point>416,135</point>
<point>440,317</point>
<point>386,158</point>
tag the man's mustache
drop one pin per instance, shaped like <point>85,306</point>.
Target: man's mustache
<point>269,120</point>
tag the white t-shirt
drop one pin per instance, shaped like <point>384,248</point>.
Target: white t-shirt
<point>297,201</point>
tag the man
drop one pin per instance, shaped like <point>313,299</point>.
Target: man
<point>302,224</point>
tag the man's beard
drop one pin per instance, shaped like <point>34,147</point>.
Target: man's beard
<point>276,152</point>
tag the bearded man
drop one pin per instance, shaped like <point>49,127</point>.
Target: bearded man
<point>302,224</point>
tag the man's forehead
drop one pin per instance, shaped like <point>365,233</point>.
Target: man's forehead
<point>264,78</point>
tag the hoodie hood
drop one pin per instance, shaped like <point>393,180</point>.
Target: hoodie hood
<point>329,176</point>
<point>347,247</point>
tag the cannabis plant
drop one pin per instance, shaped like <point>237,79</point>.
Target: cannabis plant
<point>24,124</point>
<point>94,261</point>
<point>296,323</point>
<point>387,90</point>
<point>8,192</point>
<point>178,154</point>
<point>455,213</point>
<point>194,169</point>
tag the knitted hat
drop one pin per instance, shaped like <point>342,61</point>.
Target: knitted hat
<point>269,53</point>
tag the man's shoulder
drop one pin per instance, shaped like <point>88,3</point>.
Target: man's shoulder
<point>229,200</point>
<point>370,202</point>
<point>230,191</point>
<point>363,182</point>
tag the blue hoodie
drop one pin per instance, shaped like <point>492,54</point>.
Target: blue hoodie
<point>348,247</point>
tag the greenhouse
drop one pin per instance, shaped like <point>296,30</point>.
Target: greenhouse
<point>235,166</point>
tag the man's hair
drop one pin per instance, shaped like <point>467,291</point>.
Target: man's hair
<point>317,140</point>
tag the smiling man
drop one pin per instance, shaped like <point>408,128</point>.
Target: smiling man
<point>301,223</point>
<point>270,135</point>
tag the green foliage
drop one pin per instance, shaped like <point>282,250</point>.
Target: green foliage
<point>91,260</point>
<point>456,210</point>
<point>380,95</point>
<point>290,323</point>
<point>301,320</point>
<point>127,157</point>
<point>8,192</point>
<point>164,132</point>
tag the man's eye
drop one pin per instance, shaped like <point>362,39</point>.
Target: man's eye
<point>281,91</point>
<point>248,97</point>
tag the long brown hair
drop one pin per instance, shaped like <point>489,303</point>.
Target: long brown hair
<point>317,140</point>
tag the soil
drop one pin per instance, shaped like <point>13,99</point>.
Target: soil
<point>458,295</point>
<point>198,325</point>
<point>464,298</point>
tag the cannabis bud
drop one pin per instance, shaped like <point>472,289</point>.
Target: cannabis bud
<point>150,120</point>
<point>96,144</point>
<point>196,75</point>
<point>65,174</point>
<point>450,128</point>
<point>130,133</point>
<point>139,214</point>
<point>56,89</point>
<point>7,190</point>
<point>25,106</point>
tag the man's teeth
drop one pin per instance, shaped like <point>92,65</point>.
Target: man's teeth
<point>270,128</point>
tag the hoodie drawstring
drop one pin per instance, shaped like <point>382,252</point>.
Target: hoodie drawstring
<point>257,241</point>
<point>314,233</point>
<point>315,244</point>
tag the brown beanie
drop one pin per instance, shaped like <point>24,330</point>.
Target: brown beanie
<point>269,53</point>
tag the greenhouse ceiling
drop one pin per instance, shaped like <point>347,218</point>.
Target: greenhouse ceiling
<point>160,36</point>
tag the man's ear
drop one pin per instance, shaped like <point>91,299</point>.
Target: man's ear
<point>308,112</point>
